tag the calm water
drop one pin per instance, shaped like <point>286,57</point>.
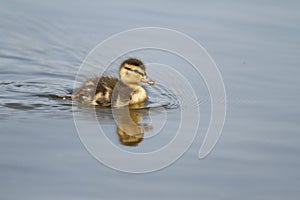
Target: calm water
<point>256,46</point>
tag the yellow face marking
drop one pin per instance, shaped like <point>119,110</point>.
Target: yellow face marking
<point>135,69</point>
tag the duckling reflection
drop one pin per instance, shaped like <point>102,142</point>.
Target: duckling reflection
<point>129,129</point>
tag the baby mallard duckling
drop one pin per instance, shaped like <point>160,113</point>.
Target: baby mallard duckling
<point>110,91</point>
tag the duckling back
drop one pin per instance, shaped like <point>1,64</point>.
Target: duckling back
<point>96,91</point>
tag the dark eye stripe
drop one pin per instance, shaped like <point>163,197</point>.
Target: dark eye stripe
<point>134,70</point>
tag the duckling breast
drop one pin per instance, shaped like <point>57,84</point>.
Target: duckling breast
<point>138,96</point>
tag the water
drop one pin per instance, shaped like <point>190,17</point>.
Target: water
<point>256,47</point>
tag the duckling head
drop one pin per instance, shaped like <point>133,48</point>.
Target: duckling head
<point>133,71</point>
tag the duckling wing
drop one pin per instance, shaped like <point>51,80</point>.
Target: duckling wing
<point>96,91</point>
<point>106,84</point>
<point>104,90</point>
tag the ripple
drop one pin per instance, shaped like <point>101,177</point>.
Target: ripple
<point>160,96</point>
<point>18,106</point>
<point>47,95</point>
<point>15,57</point>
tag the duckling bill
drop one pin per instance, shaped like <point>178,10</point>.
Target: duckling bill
<point>110,91</point>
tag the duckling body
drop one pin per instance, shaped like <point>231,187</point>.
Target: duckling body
<point>127,94</point>
<point>110,91</point>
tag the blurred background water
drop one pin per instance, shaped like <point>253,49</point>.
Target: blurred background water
<point>256,46</point>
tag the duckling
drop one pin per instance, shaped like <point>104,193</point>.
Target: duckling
<point>108,91</point>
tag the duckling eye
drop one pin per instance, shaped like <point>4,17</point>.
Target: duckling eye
<point>135,71</point>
